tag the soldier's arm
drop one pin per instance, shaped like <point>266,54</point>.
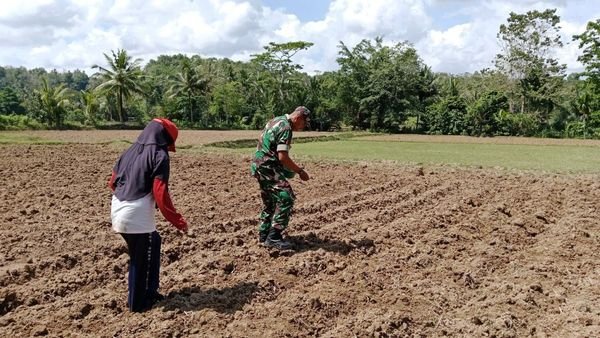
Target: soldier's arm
<point>286,160</point>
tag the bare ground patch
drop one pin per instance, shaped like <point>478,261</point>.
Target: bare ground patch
<point>382,251</point>
<point>186,137</point>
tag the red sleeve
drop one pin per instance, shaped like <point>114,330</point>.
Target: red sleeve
<point>111,182</point>
<point>165,205</point>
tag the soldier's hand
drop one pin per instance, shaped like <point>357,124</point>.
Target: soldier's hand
<point>304,175</point>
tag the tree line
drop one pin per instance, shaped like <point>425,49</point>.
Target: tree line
<point>378,87</point>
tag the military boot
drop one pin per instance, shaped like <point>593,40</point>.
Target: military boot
<point>276,241</point>
<point>262,236</point>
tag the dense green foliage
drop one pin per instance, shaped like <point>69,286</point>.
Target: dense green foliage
<point>378,87</point>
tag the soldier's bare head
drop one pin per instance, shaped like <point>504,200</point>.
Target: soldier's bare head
<point>300,118</point>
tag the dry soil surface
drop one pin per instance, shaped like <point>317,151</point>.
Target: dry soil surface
<point>186,137</point>
<point>382,251</point>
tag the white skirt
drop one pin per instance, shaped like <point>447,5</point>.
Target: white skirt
<point>133,217</point>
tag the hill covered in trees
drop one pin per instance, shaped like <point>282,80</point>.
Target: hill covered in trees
<point>378,87</point>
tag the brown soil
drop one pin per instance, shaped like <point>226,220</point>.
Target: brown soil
<point>186,137</point>
<point>200,137</point>
<point>382,251</point>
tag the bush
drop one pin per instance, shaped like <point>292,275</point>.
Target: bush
<point>19,122</point>
<point>410,125</point>
<point>76,125</point>
<point>111,125</point>
<point>515,124</point>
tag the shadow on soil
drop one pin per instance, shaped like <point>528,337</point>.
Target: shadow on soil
<point>225,300</point>
<point>313,242</point>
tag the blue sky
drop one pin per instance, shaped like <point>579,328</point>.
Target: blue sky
<point>445,14</point>
<point>307,10</point>
<point>454,36</point>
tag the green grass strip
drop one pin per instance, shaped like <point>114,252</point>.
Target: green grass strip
<point>24,139</point>
<point>530,157</point>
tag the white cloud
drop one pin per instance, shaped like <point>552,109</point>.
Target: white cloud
<point>457,49</point>
<point>450,35</point>
<point>570,51</point>
<point>473,45</point>
<point>18,8</point>
<point>350,21</point>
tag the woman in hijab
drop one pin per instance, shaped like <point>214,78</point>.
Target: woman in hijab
<point>139,182</point>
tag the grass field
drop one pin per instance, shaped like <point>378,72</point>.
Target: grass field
<point>553,155</point>
<point>513,153</point>
<point>13,138</point>
<point>530,157</point>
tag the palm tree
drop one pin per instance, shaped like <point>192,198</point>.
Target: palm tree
<point>582,106</point>
<point>53,102</point>
<point>187,82</point>
<point>89,102</point>
<point>426,90</point>
<point>452,86</point>
<point>122,78</point>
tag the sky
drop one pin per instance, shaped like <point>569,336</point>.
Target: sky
<point>453,36</point>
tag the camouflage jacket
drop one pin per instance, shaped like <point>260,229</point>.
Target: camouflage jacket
<point>276,136</point>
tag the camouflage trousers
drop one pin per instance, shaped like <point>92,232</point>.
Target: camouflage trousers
<point>278,200</point>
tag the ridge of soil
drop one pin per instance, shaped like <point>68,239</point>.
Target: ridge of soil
<point>383,251</point>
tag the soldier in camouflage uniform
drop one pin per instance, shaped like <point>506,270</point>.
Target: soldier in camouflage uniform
<point>272,166</point>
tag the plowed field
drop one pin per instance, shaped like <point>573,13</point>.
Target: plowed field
<point>383,251</point>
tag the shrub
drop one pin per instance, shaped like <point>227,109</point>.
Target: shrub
<point>19,122</point>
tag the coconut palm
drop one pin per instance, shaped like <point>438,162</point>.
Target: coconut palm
<point>582,106</point>
<point>53,101</point>
<point>89,102</point>
<point>121,78</point>
<point>187,82</point>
